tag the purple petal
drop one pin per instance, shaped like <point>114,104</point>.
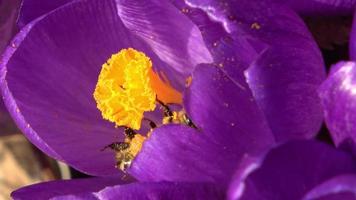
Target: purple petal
<point>48,76</point>
<point>52,189</point>
<point>340,187</point>
<point>221,106</point>
<point>163,190</point>
<point>179,153</point>
<point>338,94</point>
<point>285,87</point>
<point>117,188</point>
<point>321,7</point>
<point>230,126</point>
<point>172,36</point>
<point>290,171</point>
<point>31,9</point>
<point>287,65</point>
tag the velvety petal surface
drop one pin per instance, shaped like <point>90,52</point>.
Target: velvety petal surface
<point>76,187</point>
<point>31,9</point>
<point>172,36</point>
<point>290,171</point>
<point>48,76</point>
<point>338,94</point>
<point>230,126</point>
<point>341,187</point>
<point>321,7</point>
<point>284,65</point>
<point>163,191</point>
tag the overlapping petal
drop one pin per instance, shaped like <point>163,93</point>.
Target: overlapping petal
<point>55,189</point>
<point>284,64</point>
<point>172,36</point>
<point>338,94</point>
<point>290,171</point>
<point>230,126</point>
<point>116,188</point>
<point>321,7</point>
<point>340,187</point>
<point>32,9</point>
<point>163,190</point>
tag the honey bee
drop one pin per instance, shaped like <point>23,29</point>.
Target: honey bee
<point>122,154</point>
<point>126,151</point>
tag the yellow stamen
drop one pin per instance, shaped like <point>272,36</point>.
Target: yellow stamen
<point>123,92</point>
<point>127,87</point>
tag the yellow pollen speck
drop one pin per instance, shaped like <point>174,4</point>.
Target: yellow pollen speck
<point>255,26</point>
<point>188,81</point>
<point>127,87</point>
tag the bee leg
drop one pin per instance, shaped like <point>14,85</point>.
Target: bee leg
<point>189,122</point>
<point>117,146</point>
<point>129,132</point>
<point>166,111</point>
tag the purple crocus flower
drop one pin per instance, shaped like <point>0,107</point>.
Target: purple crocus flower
<point>49,73</point>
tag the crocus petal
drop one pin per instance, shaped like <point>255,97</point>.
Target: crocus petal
<point>179,153</point>
<point>48,76</point>
<point>230,126</point>
<point>31,9</point>
<point>287,66</point>
<point>115,188</point>
<point>285,87</point>
<point>225,110</point>
<point>321,7</point>
<point>172,36</point>
<point>338,94</point>
<point>290,171</point>
<point>53,189</point>
<point>340,187</point>
<point>162,190</point>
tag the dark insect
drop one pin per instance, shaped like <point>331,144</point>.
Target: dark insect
<point>117,146</point>
<point>129,132</point>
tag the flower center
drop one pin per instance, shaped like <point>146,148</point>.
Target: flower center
<point>128,87</point>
